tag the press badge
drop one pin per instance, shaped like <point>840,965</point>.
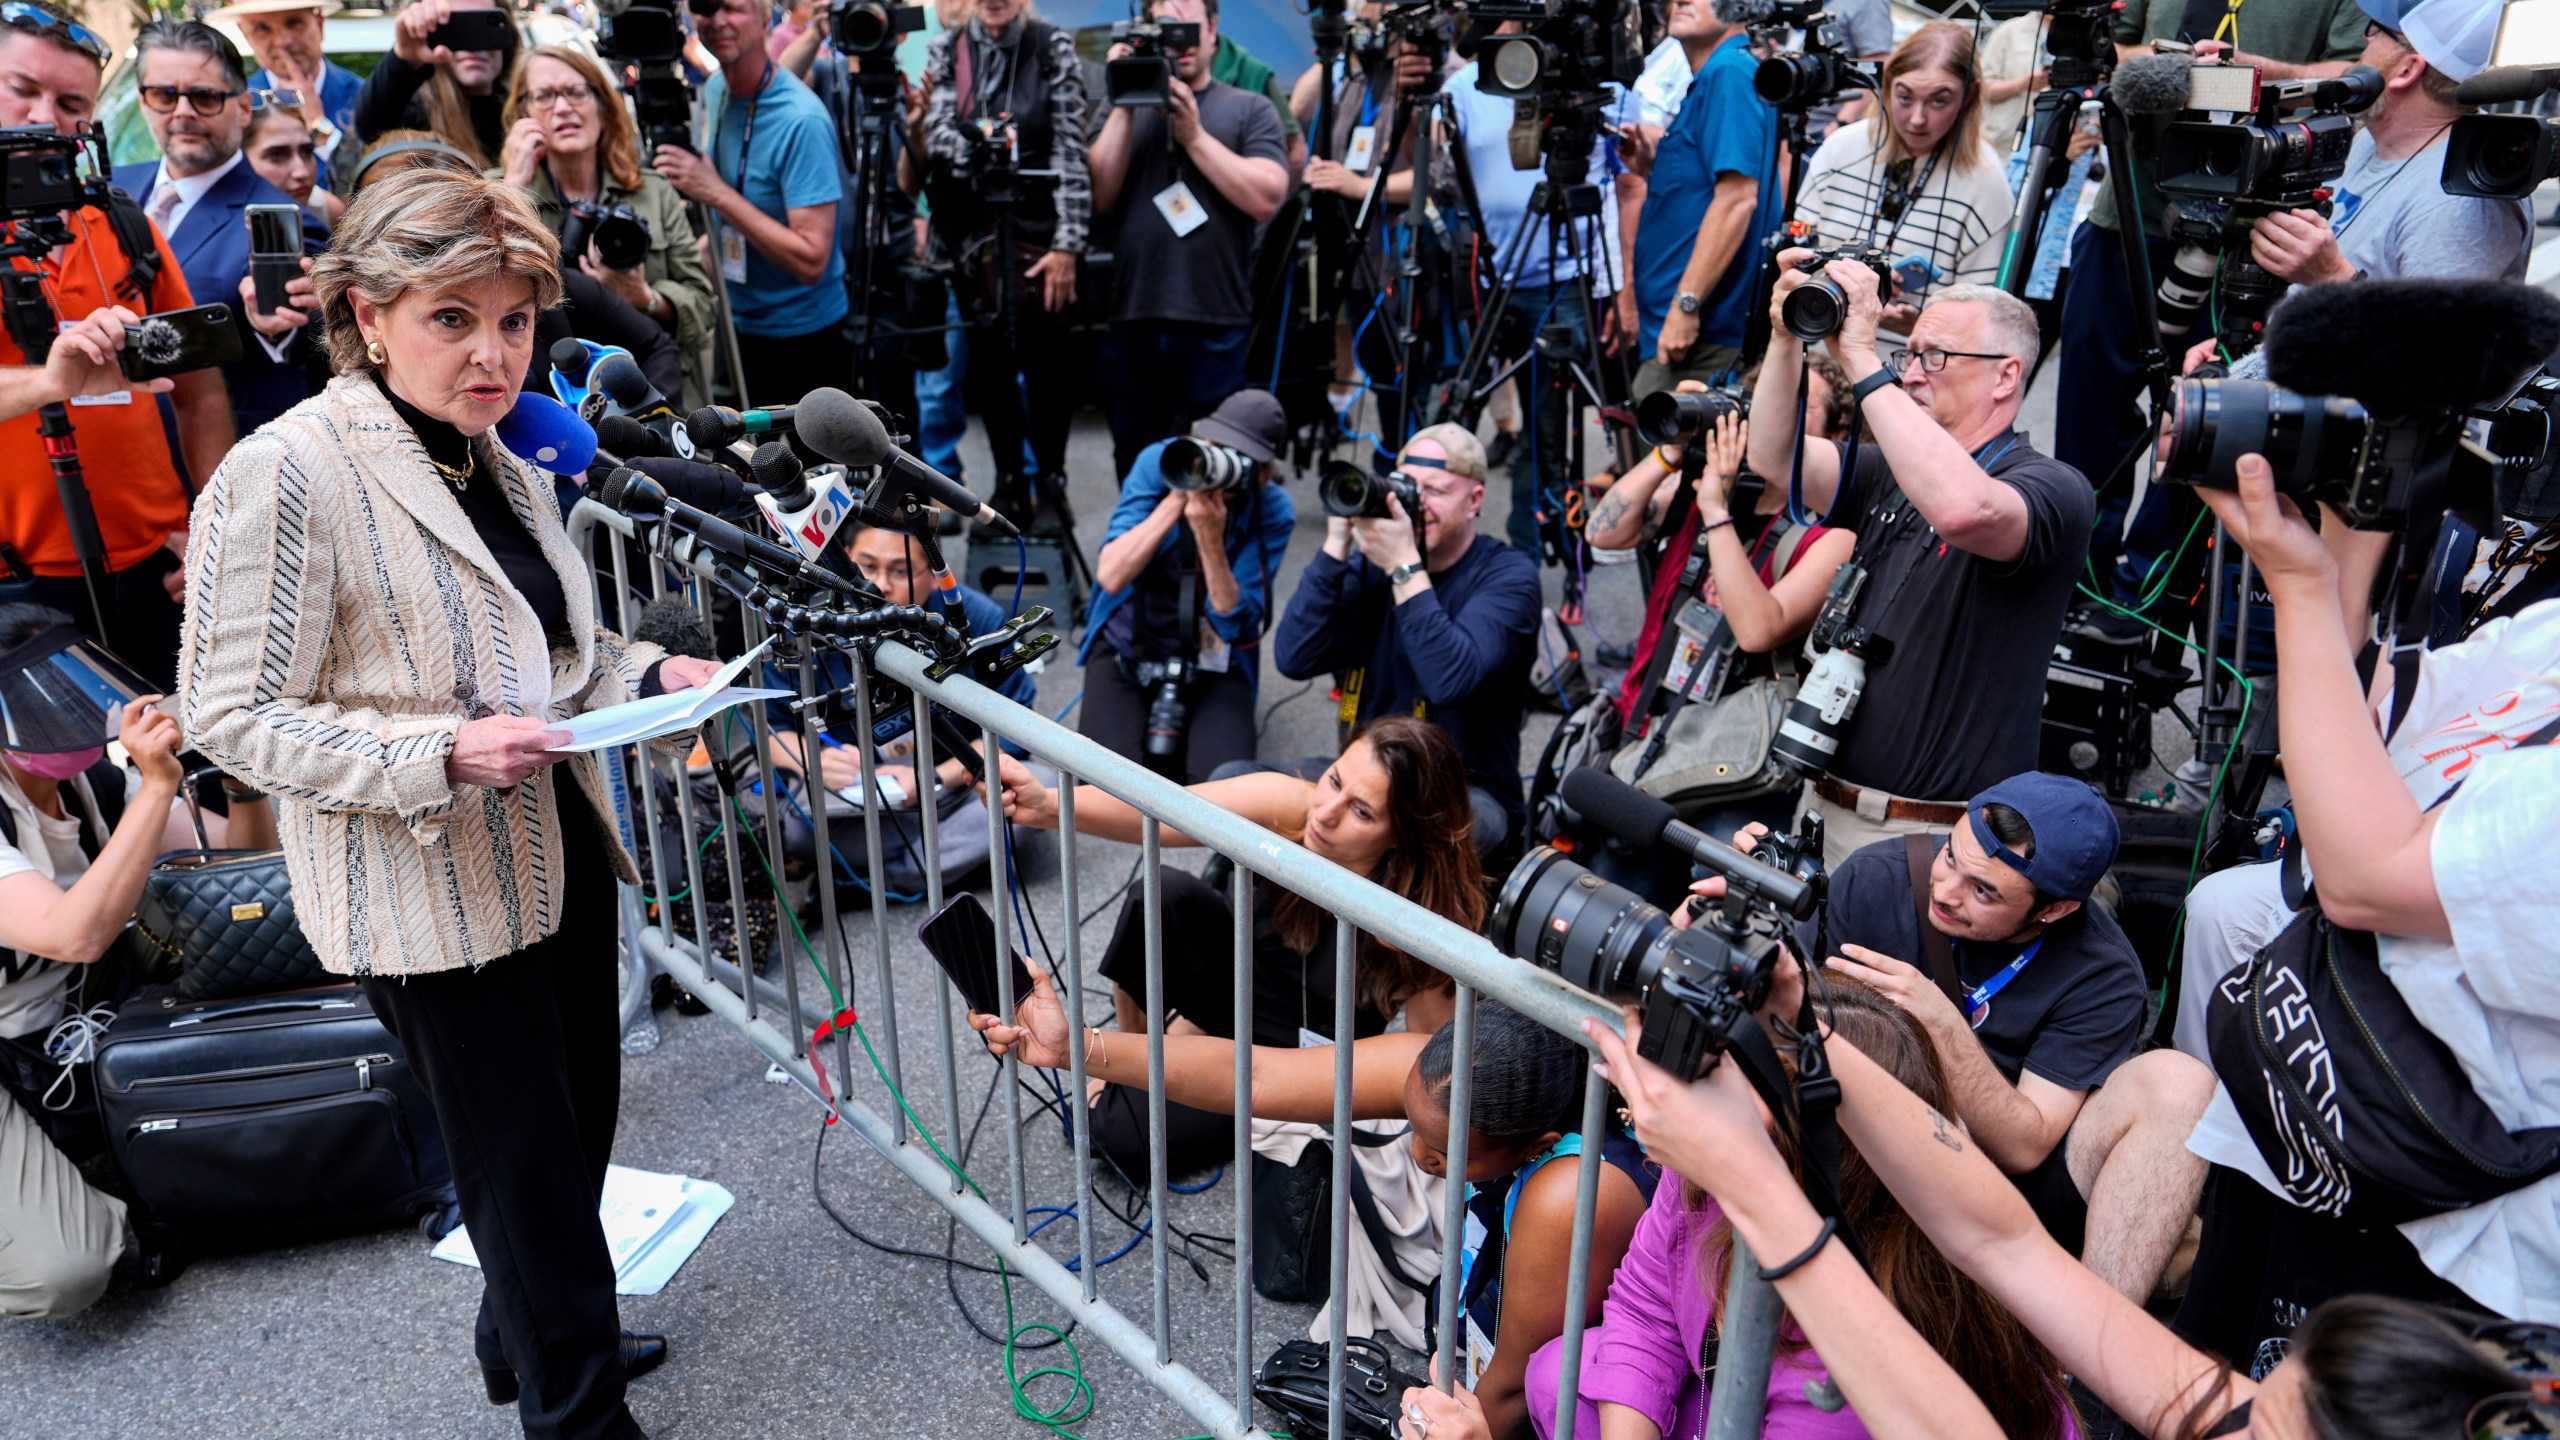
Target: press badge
<point>1701,642</point>
<point>733,255</point>
<point>1181,208</point>
<point>1477,1355</point>
<point>1355,156</point>
<point>1214,654</point>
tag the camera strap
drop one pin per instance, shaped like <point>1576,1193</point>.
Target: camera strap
<point>1807,1109</point>
<point>132,229</point>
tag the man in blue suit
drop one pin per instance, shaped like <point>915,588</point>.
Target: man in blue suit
<point>285,38</point>
<point>195,97</point>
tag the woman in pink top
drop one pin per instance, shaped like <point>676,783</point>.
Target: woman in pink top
<point>1646,1371</point>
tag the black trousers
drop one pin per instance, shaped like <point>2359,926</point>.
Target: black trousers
<point>524,1064</point>
<point>782,368</point>
<point>1114,712</point>
<point>1020,384</point>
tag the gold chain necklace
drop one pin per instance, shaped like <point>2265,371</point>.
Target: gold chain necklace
<point>456,476</point>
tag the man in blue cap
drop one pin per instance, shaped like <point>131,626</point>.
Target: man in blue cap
<point>2034,1001</point>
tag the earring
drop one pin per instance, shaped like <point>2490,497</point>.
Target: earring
<point>373,351</point>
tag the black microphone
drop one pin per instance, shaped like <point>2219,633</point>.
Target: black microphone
<point>2503,83</point>
<point>627,439</point>
<point>641,491</point>
<point>720,425</point>
<point>1641,820</point>
<point>844,430</point>
<point>619,378</point>
<point>569,356</point>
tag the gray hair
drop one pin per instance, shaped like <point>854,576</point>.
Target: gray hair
<point>419,231</point>
<point>2007,322</point>
<point>192,37</point>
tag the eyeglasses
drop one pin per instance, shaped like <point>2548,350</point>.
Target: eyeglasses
<point>38,20</point>
<point>2532,1352</point>
<point>2376,27</point>
<point>165,98</point>
<point>578,94</point>
<point>1934,361</point>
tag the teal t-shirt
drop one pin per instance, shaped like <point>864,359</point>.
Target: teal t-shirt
<point>789,148</point>
<point>1724,127</point>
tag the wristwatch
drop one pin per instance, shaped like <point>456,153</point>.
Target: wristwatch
<point>1687,302</point>
<point>1875,381</point>
<point>1402,573</point>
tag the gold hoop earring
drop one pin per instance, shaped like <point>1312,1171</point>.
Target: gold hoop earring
<point>373,351</point>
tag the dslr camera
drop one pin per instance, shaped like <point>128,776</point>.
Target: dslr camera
<point>1169,708</point>
<point>1814,311</point>
<point>1674,417</point>
<point>1809,734</point>
<point>1801,79</point>
<point>1351,493</point>
<point>1143,78</point>
<point>620,236</point>
<point>1190,464</point>
<point>650,40</point>
<point>1696,987</point>
<point>2289,141</point>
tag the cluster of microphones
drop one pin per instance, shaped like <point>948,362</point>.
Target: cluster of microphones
<point>820,462</point>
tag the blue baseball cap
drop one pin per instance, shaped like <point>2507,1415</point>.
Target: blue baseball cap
<point>2075,831</point>
<point>2455,36</point>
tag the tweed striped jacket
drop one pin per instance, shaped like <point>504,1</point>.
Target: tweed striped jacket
<point>343,620</point>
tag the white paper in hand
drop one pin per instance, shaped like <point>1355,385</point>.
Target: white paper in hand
<point>638,720</point>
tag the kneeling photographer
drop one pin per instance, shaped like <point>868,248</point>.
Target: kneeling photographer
<point>1173,649</point>
<point>78,832</point>
<point>1969,542</point>
<point>2423,831</point>
<point>1730,592</point>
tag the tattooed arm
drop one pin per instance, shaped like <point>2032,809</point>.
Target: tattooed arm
<point>1631,513</point>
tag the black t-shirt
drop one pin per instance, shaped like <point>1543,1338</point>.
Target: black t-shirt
<point>1957,707</point>
<point>2072,1015</point>
<point>1198,277</point>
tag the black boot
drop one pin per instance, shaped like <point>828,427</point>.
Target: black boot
<point>642,1352</point>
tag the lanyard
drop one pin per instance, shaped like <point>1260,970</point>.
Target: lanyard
<point>1977,1002</point>
<point>2229,29</point>
<point>1900,206</point>
<point>747,131</point>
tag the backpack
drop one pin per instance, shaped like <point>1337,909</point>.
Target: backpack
<point>1557,679</point>
<point>1585,737</point>
<point>132,230</point>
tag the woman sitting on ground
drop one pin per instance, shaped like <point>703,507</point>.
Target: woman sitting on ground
<point>1524,1152</point>
<point>1393,809</point>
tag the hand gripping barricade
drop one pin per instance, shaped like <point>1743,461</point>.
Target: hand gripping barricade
<point>805,1038</point>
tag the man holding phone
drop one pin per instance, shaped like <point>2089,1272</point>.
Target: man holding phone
<point>50,68</point>
<point>205,198</point>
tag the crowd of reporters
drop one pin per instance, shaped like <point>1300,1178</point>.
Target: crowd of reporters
<point>2029,1181</point>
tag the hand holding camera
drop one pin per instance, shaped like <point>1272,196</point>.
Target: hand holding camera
<point>1390,541</point>
<point>2299,248</point>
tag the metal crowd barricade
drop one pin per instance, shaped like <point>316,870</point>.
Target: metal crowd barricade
<point>778,1022</point>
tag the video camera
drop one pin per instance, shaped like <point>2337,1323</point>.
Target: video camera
<point>41,174</point>
<point>2507,157</point>
<point>1143,78</point>
<point>2347,419</point>
<point>2227,174</point>
<point>1422,24</point>
<point>1816,73</point>
<point>862,28</point>
<point>1569,52</point>
<point>1696,987</point>
<point>1190,464</point>
<point>1809,735</point>
<point>650,40</point>
<point>1351,493</point>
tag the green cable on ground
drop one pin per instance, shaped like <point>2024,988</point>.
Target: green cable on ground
<point>1079,1401</point>
<point>688,889</point>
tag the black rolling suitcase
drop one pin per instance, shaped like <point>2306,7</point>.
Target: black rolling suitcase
<point>263,1119</point>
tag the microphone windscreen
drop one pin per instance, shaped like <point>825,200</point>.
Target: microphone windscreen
<point>841,428</point>
<point>714,425</point>
<point>779,471</point>
<point>619,377</point>
<point>569,357</point>
<point>1617,807</point>
<point>672,624</point>
<point>707,488</point>
<point>617,488</point>
<point>2501,84</point>
<point>2151,84</point>
<point>2369,341</point>
<point>623,436</point>
<point>547,433</point>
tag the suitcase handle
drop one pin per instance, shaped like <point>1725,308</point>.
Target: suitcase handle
<point>270,1008</point>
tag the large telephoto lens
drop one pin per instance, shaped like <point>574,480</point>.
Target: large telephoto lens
<point>1190,464</point>
<point>1599,937</point>
<point>2314,443</point>
<point>1670,417</point>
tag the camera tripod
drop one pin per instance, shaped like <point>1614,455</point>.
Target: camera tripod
<point>1564,214</point>
<point>32,324</point>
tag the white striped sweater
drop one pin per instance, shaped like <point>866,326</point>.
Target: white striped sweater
<point>343,620</point>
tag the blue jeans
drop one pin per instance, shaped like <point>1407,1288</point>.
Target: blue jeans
<point>1164,375</point>
<point>941,418</point>
<point>1539,478</point>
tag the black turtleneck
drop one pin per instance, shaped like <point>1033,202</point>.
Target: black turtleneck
<point>484,500</point>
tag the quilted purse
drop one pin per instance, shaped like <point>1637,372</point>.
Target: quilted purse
<point>225,917</point>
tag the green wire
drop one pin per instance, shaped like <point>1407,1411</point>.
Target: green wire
<point>688,889</point>
<point>1078,1403</point>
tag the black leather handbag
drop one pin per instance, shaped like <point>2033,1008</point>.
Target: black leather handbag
<point>225,918</point>
<point>1292,1382</point>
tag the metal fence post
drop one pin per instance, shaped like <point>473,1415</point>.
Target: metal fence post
<point>1080,1113</point>
<point>1240,899</point>
<point>929,824</point>
<point>1151,871</point>
<point>1000,879</point>
<point>868,752</point>
<point>1346,944</point>
<point>1453,1169</point>
<point>1577,1281</point>
<point>1750,1343</point>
